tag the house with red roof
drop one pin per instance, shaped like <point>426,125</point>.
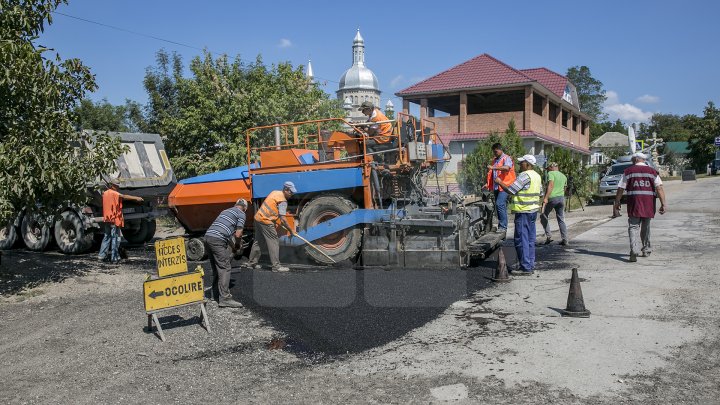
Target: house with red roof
<point>483,94</point>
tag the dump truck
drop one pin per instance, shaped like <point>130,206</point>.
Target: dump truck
<point>143,170</point>
<point>358,200</point>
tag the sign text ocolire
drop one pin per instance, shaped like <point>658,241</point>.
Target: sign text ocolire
<point>173,291</point>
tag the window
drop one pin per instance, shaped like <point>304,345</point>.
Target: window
<point>574,123</point>
<point>501,101</point>
<point>538,102</point>
<point>553,112</point>
<point>583,126</point>
<point>565,118</point>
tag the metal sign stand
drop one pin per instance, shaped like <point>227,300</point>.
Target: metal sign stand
<point>153,318</point>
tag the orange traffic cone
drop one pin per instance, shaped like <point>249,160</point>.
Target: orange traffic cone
<point>575,303</point>
<point>501,272</point>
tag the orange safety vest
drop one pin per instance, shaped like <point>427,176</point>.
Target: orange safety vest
<point>385,129</point>
<point>506,177</point>
<point>269,212</point>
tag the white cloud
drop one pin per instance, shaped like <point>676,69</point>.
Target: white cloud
<point>285,43</point>
<point>624,111</point>
<point>648,99</point>
<point>396,81</point>
<point>627,113</point>
<point>612,97</point>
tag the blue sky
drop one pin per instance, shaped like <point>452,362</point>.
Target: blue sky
<point>652,56</point>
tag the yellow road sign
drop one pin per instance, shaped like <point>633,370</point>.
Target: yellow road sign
<point>173,291</point>
<point>170,255</point>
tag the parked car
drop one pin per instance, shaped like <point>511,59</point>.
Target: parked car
<point>609,181</point>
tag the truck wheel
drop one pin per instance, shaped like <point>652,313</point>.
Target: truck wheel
<point>8,236</point>
<point>152,227</point>
<point>137,236</point>
<point>71,235</point>
<point>341,245</point>
<point>196,250</point>
<point>35,233</point>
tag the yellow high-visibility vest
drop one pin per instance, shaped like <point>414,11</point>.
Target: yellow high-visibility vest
<point>528,200</point>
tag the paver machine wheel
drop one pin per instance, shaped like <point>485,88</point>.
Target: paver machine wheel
<point>340,246</point>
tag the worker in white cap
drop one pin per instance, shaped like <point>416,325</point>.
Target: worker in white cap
<point>525,204</point>
<point>641,183</point>
<point>270,215</point>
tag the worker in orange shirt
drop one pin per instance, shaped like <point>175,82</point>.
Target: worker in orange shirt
<point>113,220</point>
<point>380,133</point>
<point>502,169</point>
<point>270,214</point>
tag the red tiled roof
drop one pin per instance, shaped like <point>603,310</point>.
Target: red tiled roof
<point>474,136</point>
<point>552,81</point>
<point>480,71</point>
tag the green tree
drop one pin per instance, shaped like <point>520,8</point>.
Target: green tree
<point>474,169</point>
<point>573,167</point>
<point>103,116</point>
<point>44,161</point>
<point>203,118</point>
<point>591,94</point>
<point>669,127</point>
<point>701,142</point>
<point>597,129</point>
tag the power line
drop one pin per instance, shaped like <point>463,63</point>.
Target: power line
<point>132,32</point>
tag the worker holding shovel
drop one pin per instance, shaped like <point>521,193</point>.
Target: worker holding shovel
<point>271,213</point>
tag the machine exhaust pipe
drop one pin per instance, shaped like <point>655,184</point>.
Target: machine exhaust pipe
<point>277,136</point>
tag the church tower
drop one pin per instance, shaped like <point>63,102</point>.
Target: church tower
<point>358,83</point>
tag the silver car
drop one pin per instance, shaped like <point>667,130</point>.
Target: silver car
<point>609,182</point>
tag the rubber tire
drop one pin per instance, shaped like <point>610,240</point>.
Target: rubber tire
<point>8,236</point>
<point>137,236</point>
<point>70,222</point>
<point>152,227</point>
<point>33,242</point>
<point>196,250</point>
<point>341,205</point>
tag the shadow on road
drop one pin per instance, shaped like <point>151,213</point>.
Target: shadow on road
<point>617,256</point>
<point>344,311</point>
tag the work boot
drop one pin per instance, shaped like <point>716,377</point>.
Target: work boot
<point>280,269</point>
<point>229,303</point>
<point>633,257</point>
<point>564,242</point>
<point>548,240</point>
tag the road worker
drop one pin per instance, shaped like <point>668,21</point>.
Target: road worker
<point>271,214</point>
<point>113,220</point>
<point>554,200</point>
<point>381,135</point>
<point>502,169</point>
<point>223,238</point>
<point>641,183</point>
<point>525,204</point>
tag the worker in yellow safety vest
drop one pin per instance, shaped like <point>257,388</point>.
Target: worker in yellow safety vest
<point>271,214</point>
<point>525,204</point>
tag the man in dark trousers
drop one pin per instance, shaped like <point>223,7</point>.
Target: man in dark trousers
<point>554,200</point>
<point>641,183</point>
<point>223,238</point>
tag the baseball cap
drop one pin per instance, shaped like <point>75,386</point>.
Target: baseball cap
<point>527,158</point>
<point>639,155</point>
<point>290,186</point>
<point>366,104</point>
